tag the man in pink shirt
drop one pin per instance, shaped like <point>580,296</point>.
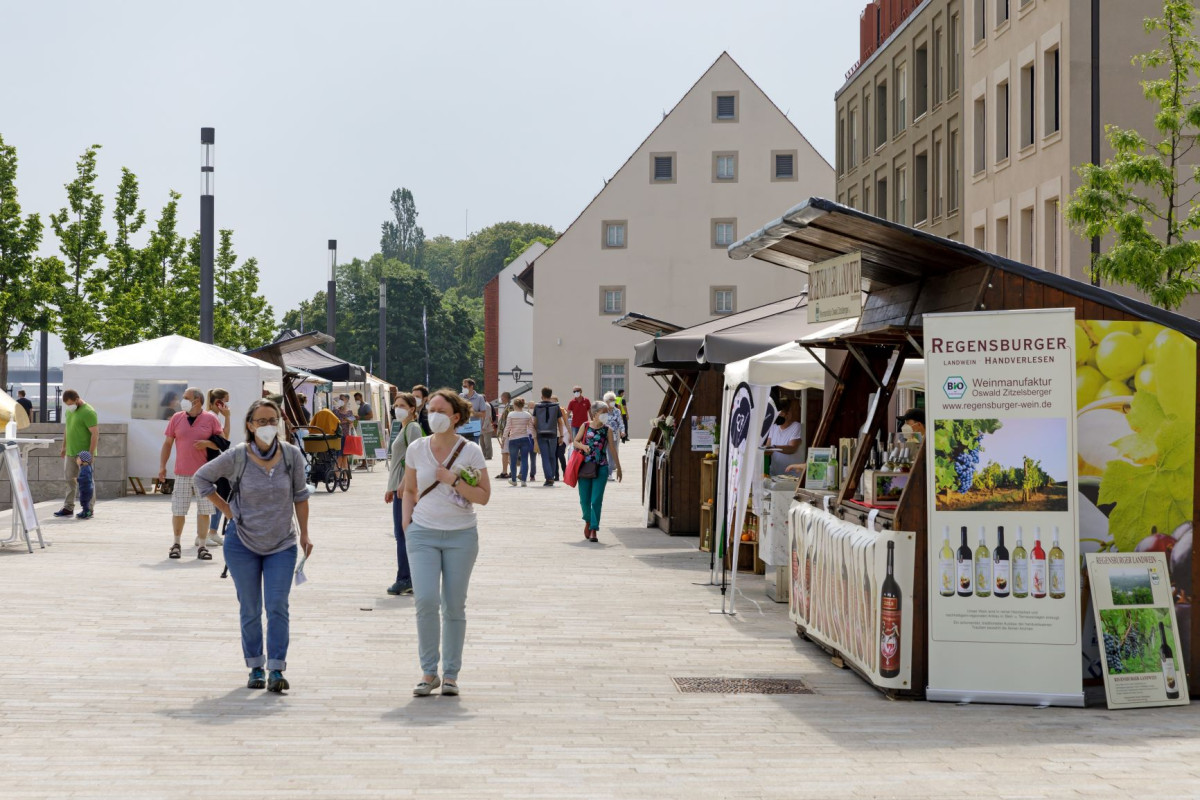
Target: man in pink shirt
<point>188,430</point>
<point>579,409</point>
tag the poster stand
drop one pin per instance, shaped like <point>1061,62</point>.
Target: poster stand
<point>24,515</point>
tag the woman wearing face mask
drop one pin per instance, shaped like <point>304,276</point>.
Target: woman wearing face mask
<point>218,405</point>
<point>405,408</point>
<point>445,478</point>
<point>260,540</point>
<point>599,445</point>
<point>787,435</point>
<point>421,393</point>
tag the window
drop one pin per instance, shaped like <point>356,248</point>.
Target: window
<point>783,165</point>
<point>610,376</point>
<point>1027,89</point>
<point>901,97</point>
<point>954,47</point>
<point>725,167</point>
<point>1001,12</point>
<point>853,140</point>
<point>614,234</point>
<point>724,232</point>
<point>881,115</point>
<point>866,126</point>
<point>921,188</point>
<point>901,195</point>
<point>724,299</point>
<point>920,81</point>
<point>1052,258</point>
<point>1002,122</point>
<point>937,66</point>
<point>1027,239</point>
<point>612,299</point>
<point>725,106</point>
<point>980,238</point>
<point>952,172</point>
<point>1050,93</point>
<point>1002,237</point>
<point>881,198</point>
<point>980,20</point>
<point>867,197</point>
<point>939,185</point>
<point>841,145</point>
<point>980,135</point>
<point>662,167</point>
<point>852,199</point>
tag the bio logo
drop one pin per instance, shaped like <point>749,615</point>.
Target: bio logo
<point>954,387</point>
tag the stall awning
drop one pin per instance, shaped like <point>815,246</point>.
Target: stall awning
<point>300,351</point>
<point>648,325</point>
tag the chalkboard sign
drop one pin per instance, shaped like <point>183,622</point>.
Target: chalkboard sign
<point>372,435</point>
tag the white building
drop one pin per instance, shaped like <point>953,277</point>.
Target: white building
<point>508,329</point>
<point>653,240</point>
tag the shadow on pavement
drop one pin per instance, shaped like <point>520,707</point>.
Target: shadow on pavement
<point>430,711</point>
<point>225,709</point>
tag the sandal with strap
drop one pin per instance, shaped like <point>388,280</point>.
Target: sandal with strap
<point>203,554</point>
<point>175,551</point>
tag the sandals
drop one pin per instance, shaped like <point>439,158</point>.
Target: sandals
<point>203,554</point>
<point>175,551</point>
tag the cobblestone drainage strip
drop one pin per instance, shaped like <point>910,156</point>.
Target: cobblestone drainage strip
<point>741,686</point>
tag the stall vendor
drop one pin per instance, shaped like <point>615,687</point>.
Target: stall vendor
<point>787,437</point>
<point>913,421</point>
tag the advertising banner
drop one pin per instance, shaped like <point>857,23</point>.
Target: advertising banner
<point>22,497</point>
<point>372,435</point>
<point>1003,507</point>
<point>702,433</point>
<point>1134,610</point>
<point>835,288</point>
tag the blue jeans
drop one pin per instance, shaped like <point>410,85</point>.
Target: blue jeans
<point>518,452</point>
<point>548,446</point>
<point>403,574</point>
<point>261,580</point>
<point>441,569</point>
<point>214,520</point>
<point>591,497</point>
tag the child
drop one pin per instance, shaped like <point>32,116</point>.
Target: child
<point>85,483</point>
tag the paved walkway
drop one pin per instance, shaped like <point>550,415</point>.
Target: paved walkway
<point>122,677</point>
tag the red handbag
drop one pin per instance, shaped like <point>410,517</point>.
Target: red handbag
<point>571,477</point>
<point>353,446</point>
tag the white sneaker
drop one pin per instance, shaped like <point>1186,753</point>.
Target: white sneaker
<point>215,539</point>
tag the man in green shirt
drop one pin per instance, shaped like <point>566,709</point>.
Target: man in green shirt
<point>82,433</point>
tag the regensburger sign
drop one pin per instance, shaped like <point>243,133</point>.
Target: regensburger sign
<point>835,288</point>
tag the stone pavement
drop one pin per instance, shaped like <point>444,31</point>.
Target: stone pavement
<point>122,677</point>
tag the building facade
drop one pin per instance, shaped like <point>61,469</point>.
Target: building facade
<point>654,239</point>
<point>508,329</point>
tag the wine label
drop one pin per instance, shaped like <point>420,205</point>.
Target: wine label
<point>1039,578</point>
<point>889,635</point>
<point>964,576</point>
<point>1001,577</point>
<point>1058,577</point>
<point>1020,576</point>
<point>947,573</point>
<point>983,576</point>
<point>1172,682</point>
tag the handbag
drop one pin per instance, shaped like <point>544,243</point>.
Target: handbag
<point>590,469</point>
<point>571,475</point>
<point>352,445</point>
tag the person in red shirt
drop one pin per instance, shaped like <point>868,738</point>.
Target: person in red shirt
<point>579,409</point>
<point>189,431</point>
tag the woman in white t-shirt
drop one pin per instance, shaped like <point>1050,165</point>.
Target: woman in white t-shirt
<point>787,434</point>
<point>445,478</point>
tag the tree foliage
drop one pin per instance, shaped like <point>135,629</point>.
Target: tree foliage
<point>1142,197</point>
<point>402,238</point>
<point>120,285</point>
<point>486,252</point>
<point>83,241</point>
<point>441,260</point>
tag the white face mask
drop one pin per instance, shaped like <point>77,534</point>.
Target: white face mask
<point>401,413</point>
<point>420,401</point>
<point>266,434</point>
<point>906,428</point>
<point>577,394</point>
<point>68,407</point>
<point>340,403</point>
<point>466,390</point>
<point>439,422</point>
<point>185,405</point>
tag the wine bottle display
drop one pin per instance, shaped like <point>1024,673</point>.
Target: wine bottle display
<point>1037,565</point>
<point>1020,568</point>
<point>1001,567</point>
<point>946,566</point>
<point>889,621</point>
<point>983,566</point>
<point>966,569</point>
<point>1170,679</point>
<point>1058,569</point>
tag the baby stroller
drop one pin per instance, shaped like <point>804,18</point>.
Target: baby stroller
<point>322,450</point>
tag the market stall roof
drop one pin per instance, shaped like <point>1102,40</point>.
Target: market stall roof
<point>894,254</point>
<point>643,324</point>
<point>300,351</point>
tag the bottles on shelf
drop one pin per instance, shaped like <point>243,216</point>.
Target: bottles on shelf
<point>1037,565</point>
<point>946,567</point>
<point>1058,569</point>
<point>1020,568</point>
<point>966,569</point>
<point>983,566</point>
<point>1170,679</point>
<point>889,621</point>
<point>1001,567</point>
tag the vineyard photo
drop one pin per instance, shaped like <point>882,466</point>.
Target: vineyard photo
<point>1131,587</point>
<point>1132,641</point>
<point>1001,465</point>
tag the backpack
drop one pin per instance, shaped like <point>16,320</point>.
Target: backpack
<point>546,414</point>
<point>239,466</point>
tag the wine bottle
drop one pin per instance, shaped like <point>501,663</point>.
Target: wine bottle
<point>1058,569</point>
<point>797,595</point>
<point>1001,566</point>
<point>946,571</point>
<point>1038,565</point>
<point>983,566</point>
<point>808,587</point>
<point>1020,568</point>
<point>1170,679</point>
<point>889,621</point>
<point>966,574</point>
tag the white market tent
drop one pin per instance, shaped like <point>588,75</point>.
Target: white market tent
<point>115,382</point>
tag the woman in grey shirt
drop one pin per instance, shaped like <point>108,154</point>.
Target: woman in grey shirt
<point>405,406</point>
<point>260,542</point>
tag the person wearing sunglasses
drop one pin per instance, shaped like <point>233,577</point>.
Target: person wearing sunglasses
<point>260,541</point>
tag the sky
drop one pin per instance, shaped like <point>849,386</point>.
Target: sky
<point>488,110</point>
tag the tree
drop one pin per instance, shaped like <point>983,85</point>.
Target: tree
<point>82,240</point>
<point>162,258</point>
<point>1143,191</point>
<point>28,284</point>
<point>121,284</point>
<point>402,239</point>
<point>485,252</point>
<point>519,246</point>
<point>440,261</point>
<point>242,318</point>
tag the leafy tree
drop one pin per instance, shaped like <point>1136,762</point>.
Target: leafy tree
<point>82,241</point>
<point>1144,190</point>
<point>403,239</point>
<point>121,284</point>
<point>519,246</point>
<point>440,261</point>
<point>162,258</point>
<point>28,284</point>
<point>308,316</point>
<point>486,252</point>
<point>989,477</point>
<point>242,318</point>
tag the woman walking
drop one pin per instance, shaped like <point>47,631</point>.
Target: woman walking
<point>598,442</point>
<point>266,476</point>
<point>405,409</point>
<point>218,404</point>
<point>446,477</point>
<point>519,433</point>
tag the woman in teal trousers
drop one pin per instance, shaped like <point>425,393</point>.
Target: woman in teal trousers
<point>598,442</point>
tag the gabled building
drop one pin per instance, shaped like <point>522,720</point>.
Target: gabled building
<point>508,329</point>
<point>654,240</point>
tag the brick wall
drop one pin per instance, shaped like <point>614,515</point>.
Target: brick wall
<point>491,338</point>
<point>45,471</point>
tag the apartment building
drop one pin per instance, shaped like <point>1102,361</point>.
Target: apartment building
<point>654,240</point>
<point>900,117</point>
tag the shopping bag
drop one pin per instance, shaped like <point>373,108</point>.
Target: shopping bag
<point>353,446</point>
<point>573,464</point>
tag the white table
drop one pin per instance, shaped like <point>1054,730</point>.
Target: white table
<point>19,533</point>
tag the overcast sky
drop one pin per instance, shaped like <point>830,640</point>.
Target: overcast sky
<point>500,110</point>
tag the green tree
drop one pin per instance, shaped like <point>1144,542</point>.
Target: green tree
<point>486,252</point>
<point>162,258</point>
<point>308,316</point>
<point>519,246</point>
<point>120,285</point>
<point>82,241</point>
<point>1142,196</point>
<point>28,284</point>
<point>402,238</point>
<point>440,261</point>
<point>241,316</point>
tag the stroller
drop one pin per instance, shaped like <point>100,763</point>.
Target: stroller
<point>321,450</point>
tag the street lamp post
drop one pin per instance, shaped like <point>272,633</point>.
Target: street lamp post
<point>207,165</point>
<point>331,297</point>
<point>382,328</point>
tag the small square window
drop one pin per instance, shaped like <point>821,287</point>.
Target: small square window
<point>724,168</point>
<point>725,106</point>
<point>724,232</point>
<point>662,167</point>
<point>783,165</point>
<point>612,299</point>
<point>611,376</point>
<point>724,299</point>
<point>613,234</point>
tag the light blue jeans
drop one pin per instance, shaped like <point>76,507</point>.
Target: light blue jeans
<point>261,580</point>
<point>441,564</point>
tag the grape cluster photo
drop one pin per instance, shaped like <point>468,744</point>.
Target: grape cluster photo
<point>1132,641</point>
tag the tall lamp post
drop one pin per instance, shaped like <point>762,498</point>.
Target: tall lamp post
<point>331,297</point>
<point>382,327</point>
<point>207,165</point>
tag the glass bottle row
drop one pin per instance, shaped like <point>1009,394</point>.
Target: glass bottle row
<point>993,573</point>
